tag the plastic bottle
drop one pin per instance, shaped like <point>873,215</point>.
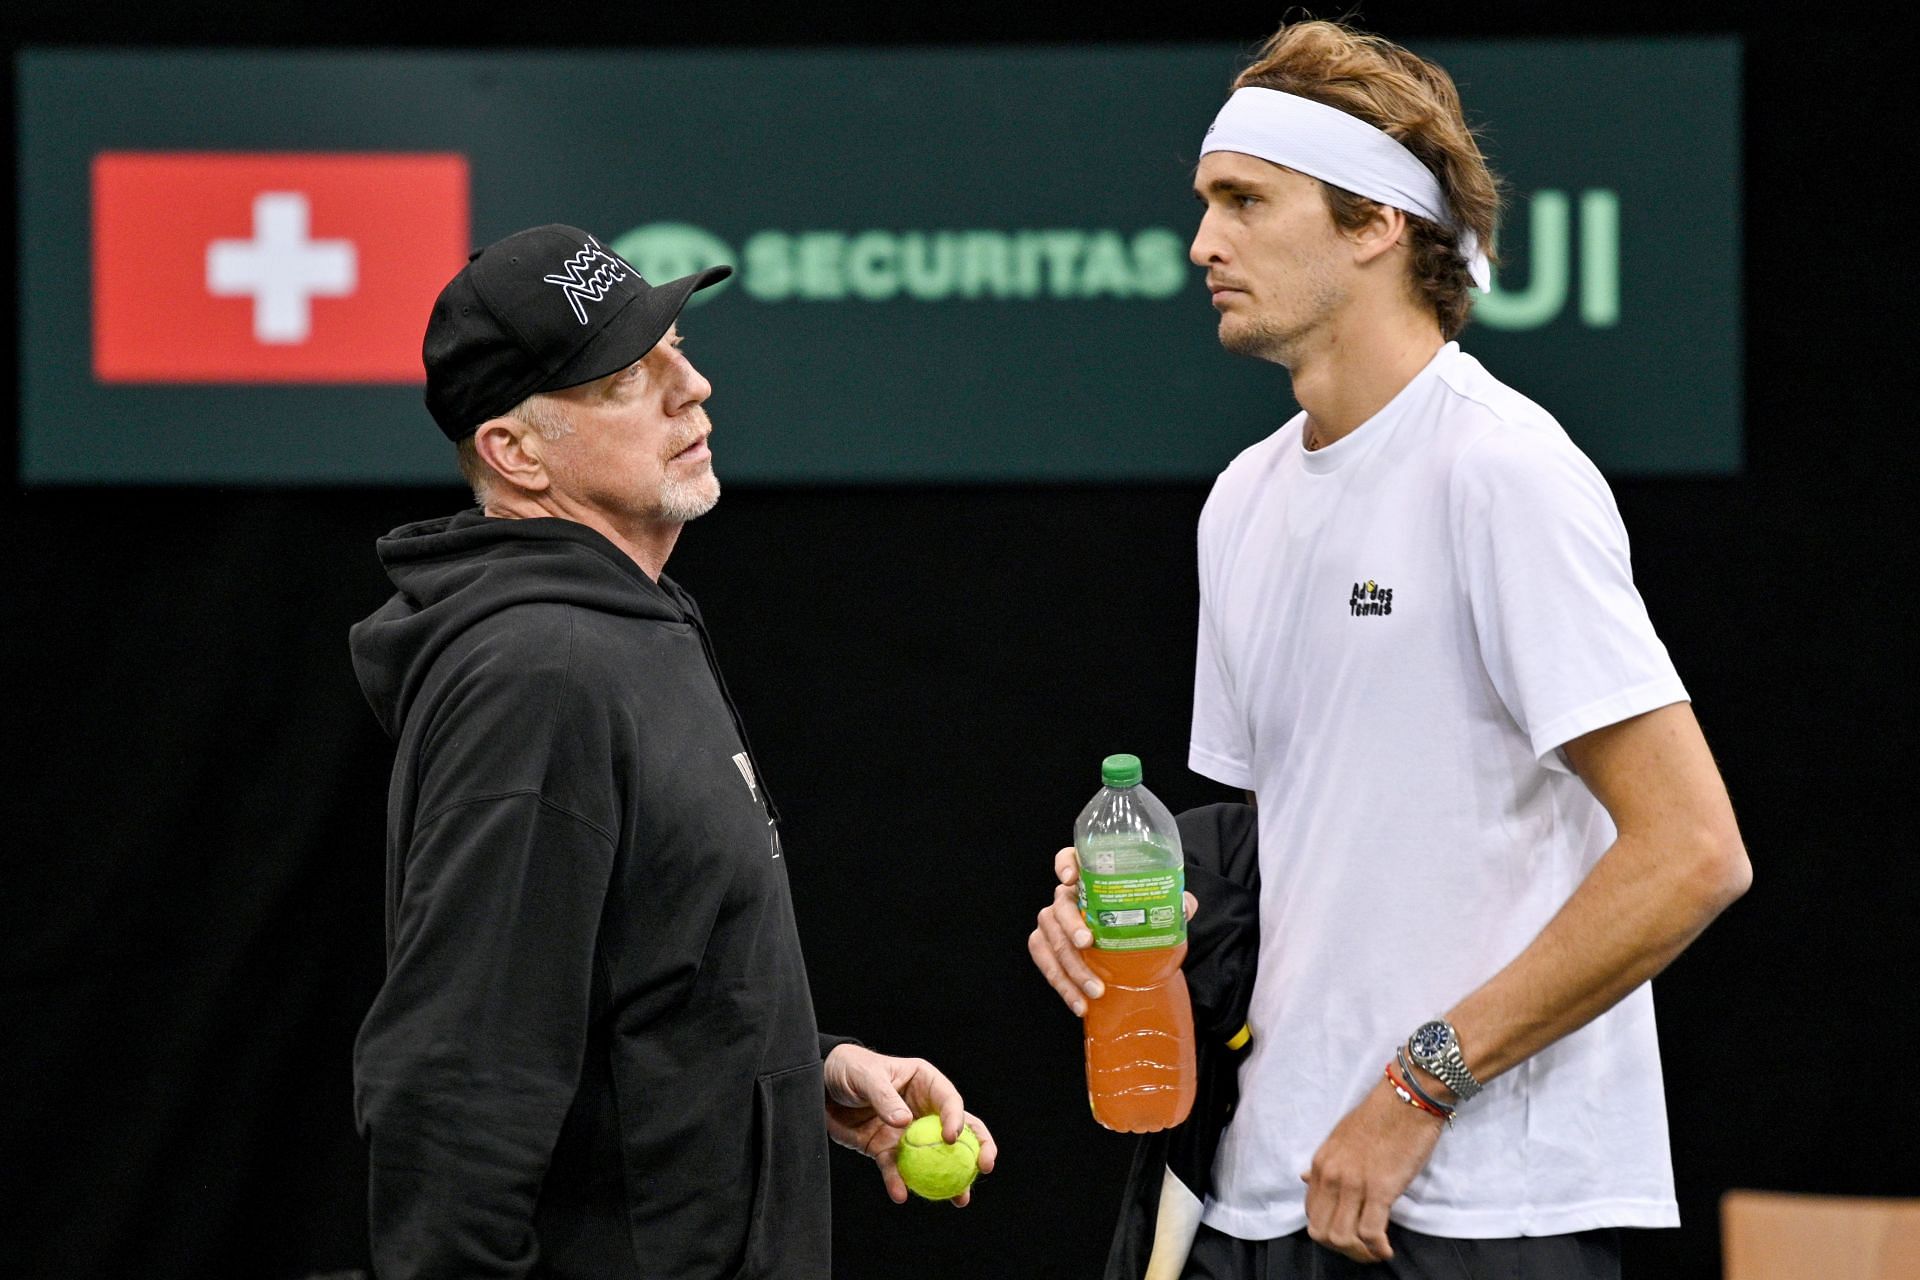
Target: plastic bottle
<point>1140,1072</point>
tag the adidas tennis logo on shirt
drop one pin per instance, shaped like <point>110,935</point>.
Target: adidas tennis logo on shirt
<point>1370,600</point>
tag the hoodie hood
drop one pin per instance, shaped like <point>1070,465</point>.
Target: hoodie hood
<point>452,572</point>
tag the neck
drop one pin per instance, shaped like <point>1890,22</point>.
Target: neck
<point>647,543</point>
<point>1347,370</point>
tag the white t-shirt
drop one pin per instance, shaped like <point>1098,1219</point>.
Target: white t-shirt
<point>1397,634</point>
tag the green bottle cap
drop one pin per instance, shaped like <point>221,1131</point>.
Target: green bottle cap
<point>1120,771</point>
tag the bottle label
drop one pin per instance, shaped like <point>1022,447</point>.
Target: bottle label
<point>1134,910</point>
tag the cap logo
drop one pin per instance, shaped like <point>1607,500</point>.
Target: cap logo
<point>590,273</point>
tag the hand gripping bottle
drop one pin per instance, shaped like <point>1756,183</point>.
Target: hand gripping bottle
<point>1140,1073</point>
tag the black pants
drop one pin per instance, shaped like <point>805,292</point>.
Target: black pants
<point>1585,1255</point>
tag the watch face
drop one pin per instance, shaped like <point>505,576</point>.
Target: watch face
<point>1430,1041</point>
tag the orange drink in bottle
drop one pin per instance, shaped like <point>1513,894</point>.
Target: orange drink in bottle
<point>1139,1032</point>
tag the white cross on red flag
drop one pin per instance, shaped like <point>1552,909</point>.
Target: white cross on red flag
<point>271,267</point>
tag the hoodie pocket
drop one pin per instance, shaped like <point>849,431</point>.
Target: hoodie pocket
<point>790,1234</point>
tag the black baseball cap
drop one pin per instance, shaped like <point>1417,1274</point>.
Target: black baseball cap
<point>541,310</point>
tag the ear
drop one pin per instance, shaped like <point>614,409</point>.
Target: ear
<point>1384,228</point>
<point>512,449</point>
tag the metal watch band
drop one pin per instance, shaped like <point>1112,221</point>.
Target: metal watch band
<point>1435,1048</point>
<point>1453,1073</point>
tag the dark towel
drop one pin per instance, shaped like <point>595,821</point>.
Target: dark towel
<point>1223,946</point>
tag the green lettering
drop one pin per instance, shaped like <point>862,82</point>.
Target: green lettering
<point>1106,270</point>
<point>931,266</point>
<point>1548,250</point>
<point>1159,263</point>
<point>984,268</point>
<point>1062,249</point>
<point>1600,258</point>
<point>927,265</point>
<point>1029,251</point>
<point>873,270</point>
<point>767,266</point>
<point>818,263</point>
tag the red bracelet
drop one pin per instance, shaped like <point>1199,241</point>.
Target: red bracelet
<point>1414,1100</point>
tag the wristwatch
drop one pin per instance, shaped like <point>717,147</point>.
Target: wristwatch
<point>1436,1049</point>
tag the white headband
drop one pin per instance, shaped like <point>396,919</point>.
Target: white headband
<point>1326,143</point>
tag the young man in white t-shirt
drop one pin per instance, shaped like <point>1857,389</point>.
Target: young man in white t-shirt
<point>1486,813</point>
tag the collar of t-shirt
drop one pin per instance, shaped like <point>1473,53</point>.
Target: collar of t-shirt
<point>1372,433</point>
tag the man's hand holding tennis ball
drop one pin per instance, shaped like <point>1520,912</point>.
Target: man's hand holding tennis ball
<point>873,1099</point>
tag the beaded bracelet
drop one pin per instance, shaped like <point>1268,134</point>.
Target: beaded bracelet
<point>1417,1103</point>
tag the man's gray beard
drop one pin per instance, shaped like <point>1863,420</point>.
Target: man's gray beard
<point>687,499</point>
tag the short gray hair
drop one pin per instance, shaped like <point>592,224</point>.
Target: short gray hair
<point>540,411</point>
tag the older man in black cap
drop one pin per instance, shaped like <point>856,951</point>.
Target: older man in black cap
<point>595,1051</point>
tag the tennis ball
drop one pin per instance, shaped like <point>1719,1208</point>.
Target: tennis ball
<point>936,1170</point>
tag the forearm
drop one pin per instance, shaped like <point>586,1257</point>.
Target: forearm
<point>462,1105</point>
<point>453,1179</point>
<point>1639,908</point>
<point>1676,863</point>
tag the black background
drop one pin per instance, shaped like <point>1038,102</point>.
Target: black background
<point>192,883</point>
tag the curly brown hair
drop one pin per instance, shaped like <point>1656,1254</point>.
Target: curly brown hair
<point>1413,101</point>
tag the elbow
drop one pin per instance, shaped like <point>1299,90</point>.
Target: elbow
<point>1740,871</point>
<point>1721,870</point>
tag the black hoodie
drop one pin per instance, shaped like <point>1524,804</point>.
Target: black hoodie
<point>595,1052</point>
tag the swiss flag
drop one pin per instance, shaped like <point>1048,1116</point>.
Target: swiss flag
<point>271,267</point>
